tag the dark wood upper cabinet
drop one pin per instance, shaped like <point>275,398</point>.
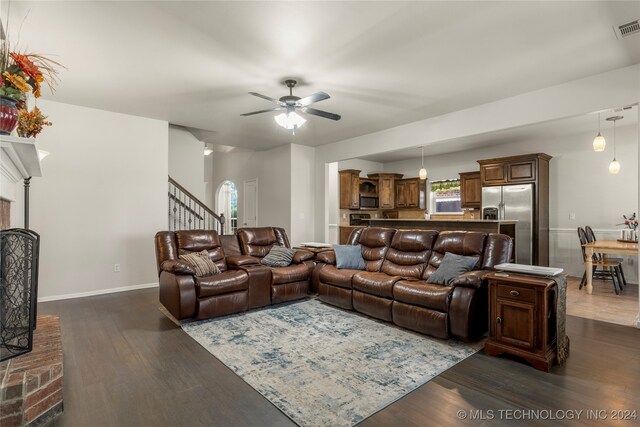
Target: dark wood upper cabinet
<point>349,189</point>
<point>410,193</point>
<point>512,170</point>
<point>386,188</point>
<point>470,190</point>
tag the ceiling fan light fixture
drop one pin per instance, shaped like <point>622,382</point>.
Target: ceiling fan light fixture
<point>290,120</point>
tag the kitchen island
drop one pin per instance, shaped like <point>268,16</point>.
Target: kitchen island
<point>485,226</point>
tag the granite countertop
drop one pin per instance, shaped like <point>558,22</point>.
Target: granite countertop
<point>443,220</point>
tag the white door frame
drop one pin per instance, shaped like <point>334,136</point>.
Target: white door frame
<point>244,205</point>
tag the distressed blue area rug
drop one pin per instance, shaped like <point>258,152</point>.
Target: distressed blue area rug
<point>323,366</point>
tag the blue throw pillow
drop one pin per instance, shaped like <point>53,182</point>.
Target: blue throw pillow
<point>452,265</point>
<point>349,257</point>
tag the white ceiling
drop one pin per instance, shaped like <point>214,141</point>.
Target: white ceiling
<point>559,128</point>
<point>383,63</point>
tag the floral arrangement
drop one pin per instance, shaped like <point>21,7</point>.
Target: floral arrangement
<point>631,222</point>
<point>23,74</point>
<point>30,123</point>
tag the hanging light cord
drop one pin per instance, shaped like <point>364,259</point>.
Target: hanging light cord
<point>614,139</point>
<point>422,148</point>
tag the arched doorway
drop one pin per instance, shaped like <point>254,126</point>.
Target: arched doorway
<point>227,203</point>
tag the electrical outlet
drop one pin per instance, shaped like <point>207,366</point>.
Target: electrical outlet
<point>116,268</point>
<point>572,216</point>
<point>344,216</point>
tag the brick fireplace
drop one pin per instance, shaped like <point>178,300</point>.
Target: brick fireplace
<point>31,391</point>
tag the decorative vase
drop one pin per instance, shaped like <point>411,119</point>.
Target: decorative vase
<point>8,115</point>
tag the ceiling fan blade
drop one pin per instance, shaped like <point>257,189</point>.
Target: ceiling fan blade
<point>268,98</point>
<point>262,111</point>
<point>320,113</point>
<point>316,97</point>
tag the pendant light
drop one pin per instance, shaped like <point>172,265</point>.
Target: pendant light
<point>423,172</point>
<point>614,166</point>
<point>599,142</point>
<point>207,150</point>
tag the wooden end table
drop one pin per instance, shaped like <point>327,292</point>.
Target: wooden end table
<point>522,318</point>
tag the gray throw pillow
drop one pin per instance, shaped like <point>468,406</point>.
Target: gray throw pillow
<point>201,263</point>
<point>278,256</point>
<point>349,257</point>
<point>452,265</point>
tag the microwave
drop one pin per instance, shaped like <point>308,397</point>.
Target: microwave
<point>368,202</point>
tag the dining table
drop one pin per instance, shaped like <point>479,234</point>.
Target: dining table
<point>617,247</point>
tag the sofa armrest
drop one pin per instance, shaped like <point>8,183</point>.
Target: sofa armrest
<point>301,256</point>
<point>176,266</point>
<point>470,279</point>
<point>327,257</point>
<point>235,261</point>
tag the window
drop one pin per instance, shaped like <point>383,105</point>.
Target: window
<point>445,196</point>
<point>227,202</point>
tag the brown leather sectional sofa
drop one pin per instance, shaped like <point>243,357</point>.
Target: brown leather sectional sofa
<point>243,282</point>
<point>393,286</point>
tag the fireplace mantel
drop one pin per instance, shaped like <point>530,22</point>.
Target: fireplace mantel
<point>19,162</point>
<point>23,153</point>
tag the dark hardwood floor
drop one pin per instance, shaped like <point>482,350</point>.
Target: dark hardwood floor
<point>126,364</point>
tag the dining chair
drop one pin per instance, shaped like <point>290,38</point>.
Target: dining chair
<point>622,281</point>
<point>607,268</point>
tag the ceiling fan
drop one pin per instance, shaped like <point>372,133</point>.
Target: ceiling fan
<point>289,103</point>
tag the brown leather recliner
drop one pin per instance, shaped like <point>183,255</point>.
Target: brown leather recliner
<point>397,290</point>
<point>287,283</point>
<point>335,285</point>
<point>182,293</point>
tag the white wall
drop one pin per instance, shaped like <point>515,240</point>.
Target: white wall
<point>186,164</point>
<point>302,197</point>
<point>272,168</point>
<point>102,198</point>
<point>209,188</point>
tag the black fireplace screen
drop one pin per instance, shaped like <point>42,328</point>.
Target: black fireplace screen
<point>18,290</point>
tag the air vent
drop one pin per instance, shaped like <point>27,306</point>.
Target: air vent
<point>628,29</point>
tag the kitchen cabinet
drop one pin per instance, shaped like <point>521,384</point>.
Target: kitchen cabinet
<point>386,188</point>
<point>470,190</point>
<point>410,193</point>
<point>522,319</point>
<point>513,170</point>
<point>349,189</point>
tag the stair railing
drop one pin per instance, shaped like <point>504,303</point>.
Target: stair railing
<point>186,212</point>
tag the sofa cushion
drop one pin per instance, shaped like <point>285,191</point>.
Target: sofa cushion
<point>349,257</point>
<point>176,266</point>
<point>258,241</point>
<point>278,257</point>
<point>291,273</point>
<point>189,241</point>
<point>201,263</point>
<point>223,283</point>
<point>452,265</point>
<point>498,250</point>
<point>373,283</point>
<point>467,243</point>
<point>375,243</point>
<point>424,294</point>
<point>332,276</point>
<point>409,253</point>
<point>327,257</point>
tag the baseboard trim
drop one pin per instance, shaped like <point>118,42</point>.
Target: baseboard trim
<point>98,292</point>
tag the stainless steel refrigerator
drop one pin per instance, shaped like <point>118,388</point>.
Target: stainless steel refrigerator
<point>513,202</point>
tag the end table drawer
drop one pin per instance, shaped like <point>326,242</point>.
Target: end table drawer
<point>516,293</point>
